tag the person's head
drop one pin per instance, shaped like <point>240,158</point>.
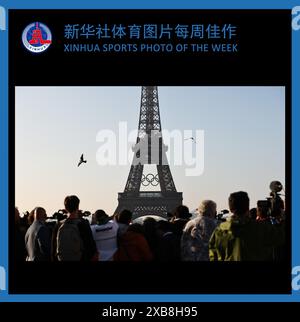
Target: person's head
<point>253,214</point>
<point>40,214</point>
<point>30,218</point>
<point>17,216</point>
<point>208,208</point>
<point>72,204</point>
<point>124,217</point>
<point>149,222</point>
<point>101,217</point>
<point>262,212</point>
<point>182,212</point>
<point>149,225</point>
<point>239,203</point>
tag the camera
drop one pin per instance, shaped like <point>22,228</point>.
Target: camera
<point>272,207</point>
<point>58,216</point>
<point>221,215</point>
<point>84,213</point>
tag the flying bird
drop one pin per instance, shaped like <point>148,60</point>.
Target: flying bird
<point>81,160</point>
<point>191,138</point>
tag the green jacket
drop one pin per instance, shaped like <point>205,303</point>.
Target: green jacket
<point>244,240</point>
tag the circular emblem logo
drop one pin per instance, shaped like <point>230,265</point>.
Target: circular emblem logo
<point>37,37</point>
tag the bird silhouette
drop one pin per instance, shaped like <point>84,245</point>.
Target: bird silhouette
<point>191,138</point>
<point>81,160</point>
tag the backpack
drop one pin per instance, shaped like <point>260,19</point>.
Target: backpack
<point>69,241</point>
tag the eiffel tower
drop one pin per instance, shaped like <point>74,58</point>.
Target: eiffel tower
<point>149,149</point>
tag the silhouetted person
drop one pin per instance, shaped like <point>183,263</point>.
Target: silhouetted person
<point>275,251</point>
<point>123,219</point>
<point>30,218</point>
<point>150,231</point>
<point>262,214</point>
<point>253,214</point>
<point>74,239</point>
<point>239,238</point>
<point>180,218</point>
<point>133,245</point>
<point>38,238</point>
<point>280,251</point>
<point>167,243</point>
<point>197,233</point>
<point>19,239</point>
<point>105,235</point>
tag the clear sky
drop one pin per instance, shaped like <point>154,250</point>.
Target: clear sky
<point>244,142</point>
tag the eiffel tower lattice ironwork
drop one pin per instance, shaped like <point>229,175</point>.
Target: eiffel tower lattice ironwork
<point>149,149</point>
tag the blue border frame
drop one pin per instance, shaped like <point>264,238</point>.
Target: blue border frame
<point>154,4</point>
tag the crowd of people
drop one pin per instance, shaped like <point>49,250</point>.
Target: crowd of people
<point>246,235</point>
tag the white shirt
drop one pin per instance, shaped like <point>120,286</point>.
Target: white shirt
<point>105,237</point>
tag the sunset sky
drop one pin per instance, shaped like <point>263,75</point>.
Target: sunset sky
<point>244,142</point>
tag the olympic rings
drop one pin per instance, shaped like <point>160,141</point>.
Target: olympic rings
<point>150,179</point>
